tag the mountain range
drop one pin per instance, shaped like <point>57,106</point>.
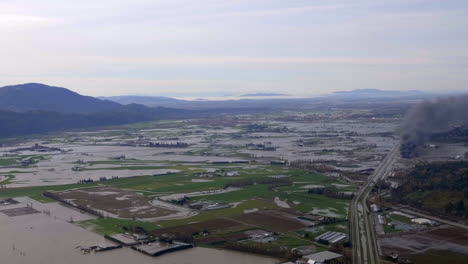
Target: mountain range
<point>38,108</point>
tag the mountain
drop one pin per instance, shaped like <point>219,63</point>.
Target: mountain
<point>144,100</point>
<point>264,95</point>
<point>41,97</point>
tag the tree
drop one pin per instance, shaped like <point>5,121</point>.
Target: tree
<point>449,207</point>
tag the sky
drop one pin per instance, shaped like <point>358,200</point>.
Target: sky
<point>209,48</point>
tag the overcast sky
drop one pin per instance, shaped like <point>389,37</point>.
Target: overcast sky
<point>224,47</point>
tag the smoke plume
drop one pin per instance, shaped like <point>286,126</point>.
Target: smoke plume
<point>431,117</point>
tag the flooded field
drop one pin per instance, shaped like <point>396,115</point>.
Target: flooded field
<point>202,182</point>
<point>47,239</point>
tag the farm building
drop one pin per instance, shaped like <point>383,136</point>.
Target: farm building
<point>331,237</point>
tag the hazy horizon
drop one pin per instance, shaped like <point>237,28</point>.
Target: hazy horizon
<point>215,48</point>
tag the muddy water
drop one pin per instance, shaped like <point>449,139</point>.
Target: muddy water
<point>42,239</point>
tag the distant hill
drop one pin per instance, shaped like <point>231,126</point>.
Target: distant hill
<point>144,100</point>
<point>264,95</point>
<point>378,93</point>
<point>36,96</point>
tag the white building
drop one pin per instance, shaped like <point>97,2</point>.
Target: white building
<point>423,221</point>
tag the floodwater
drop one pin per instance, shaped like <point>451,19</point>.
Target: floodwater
<point>95,146</point>
<point>42,239</point>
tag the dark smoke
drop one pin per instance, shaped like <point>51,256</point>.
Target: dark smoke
<point>430,117</point>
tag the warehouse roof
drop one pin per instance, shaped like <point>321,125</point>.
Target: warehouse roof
<point>322,256</point>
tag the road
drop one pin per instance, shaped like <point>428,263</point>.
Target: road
<point>364,241</point>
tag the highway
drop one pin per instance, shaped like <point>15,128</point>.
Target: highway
<point>364,241</point>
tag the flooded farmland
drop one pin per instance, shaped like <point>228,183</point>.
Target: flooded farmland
<point>73,157</point>
<point>47,239</point>
<point>202,182</point>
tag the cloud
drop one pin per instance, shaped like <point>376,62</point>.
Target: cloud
<point>21,22</point>
<point>274,45</point>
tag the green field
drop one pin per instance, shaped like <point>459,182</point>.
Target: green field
<point>250,197</point>
<point>107,226</point>
<point>16,160</point>
<point>399,218</point>
<point>9,178</point>
<point>8,161</point>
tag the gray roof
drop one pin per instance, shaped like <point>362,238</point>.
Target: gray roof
<point>322,256</point>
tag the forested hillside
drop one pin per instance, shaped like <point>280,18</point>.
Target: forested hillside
<point>35,122</point>
<point>437,187</point>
